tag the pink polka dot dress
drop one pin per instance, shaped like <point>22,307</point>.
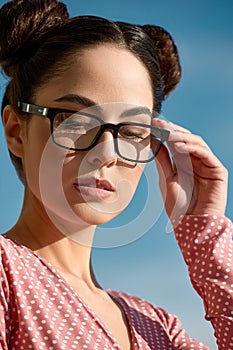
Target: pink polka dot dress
<point>40,311</point>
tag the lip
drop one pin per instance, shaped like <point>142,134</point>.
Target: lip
<point>95,188</point>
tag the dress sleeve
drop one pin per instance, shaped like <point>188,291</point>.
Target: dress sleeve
<point>207,247</point>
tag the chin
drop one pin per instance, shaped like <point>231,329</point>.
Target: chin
<point>94,217</point>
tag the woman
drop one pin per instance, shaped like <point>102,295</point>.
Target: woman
<point>77,114</point>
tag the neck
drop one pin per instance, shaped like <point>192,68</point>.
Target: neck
<point>68,251</point>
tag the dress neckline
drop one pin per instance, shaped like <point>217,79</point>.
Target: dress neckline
<point>118,300</point>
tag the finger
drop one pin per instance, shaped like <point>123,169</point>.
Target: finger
<point>187,138</point>
<point>183,142</point>
<point>187,143</point>
<point>199,150</point>
<point>177,135</point>
<point>207,172</point>
<point>169,125</point>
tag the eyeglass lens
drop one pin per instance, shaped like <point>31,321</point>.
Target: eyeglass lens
<point>79,131</point>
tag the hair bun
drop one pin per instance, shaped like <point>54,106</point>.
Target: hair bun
<point>167,54</point>
<point>23,23</point>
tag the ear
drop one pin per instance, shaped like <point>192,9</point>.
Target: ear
<point>13,130</point>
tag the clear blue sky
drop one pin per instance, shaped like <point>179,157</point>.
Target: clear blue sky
<point>152,266</point>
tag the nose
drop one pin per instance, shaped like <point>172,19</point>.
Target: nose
<point>103,154</point>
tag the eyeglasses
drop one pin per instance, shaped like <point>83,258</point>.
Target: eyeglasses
<point>81,131</point>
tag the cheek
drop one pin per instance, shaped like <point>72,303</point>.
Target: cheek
<point>132,176</point>
<point>40,157</point>
<point>31,164</point>
<point>127,182</point>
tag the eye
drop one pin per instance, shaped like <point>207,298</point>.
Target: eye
<point>74,122</point>
<point>130,134</point>
<point>134,133</point>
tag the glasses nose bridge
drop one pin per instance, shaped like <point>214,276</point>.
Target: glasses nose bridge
<point>107,126</point>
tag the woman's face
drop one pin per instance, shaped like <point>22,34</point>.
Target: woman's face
<point>93,185</point>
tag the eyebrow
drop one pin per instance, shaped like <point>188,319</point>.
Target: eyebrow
<point>137,111</point>
<point>81,100</point>
<point>76,99</point>
<point>85,101</point>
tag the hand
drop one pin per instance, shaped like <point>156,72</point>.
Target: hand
<point>192,180</point>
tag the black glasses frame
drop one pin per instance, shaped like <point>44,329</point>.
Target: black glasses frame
<point>159,134</point>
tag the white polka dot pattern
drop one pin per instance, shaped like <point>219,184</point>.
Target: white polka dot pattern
<point>207,246</point>
<point>39,310</point>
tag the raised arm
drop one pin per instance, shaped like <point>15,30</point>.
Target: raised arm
<point>193,183</point>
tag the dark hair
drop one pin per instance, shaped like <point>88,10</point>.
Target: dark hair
<point>33,32</point>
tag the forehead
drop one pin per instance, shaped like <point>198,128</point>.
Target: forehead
<point>104,74</point>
